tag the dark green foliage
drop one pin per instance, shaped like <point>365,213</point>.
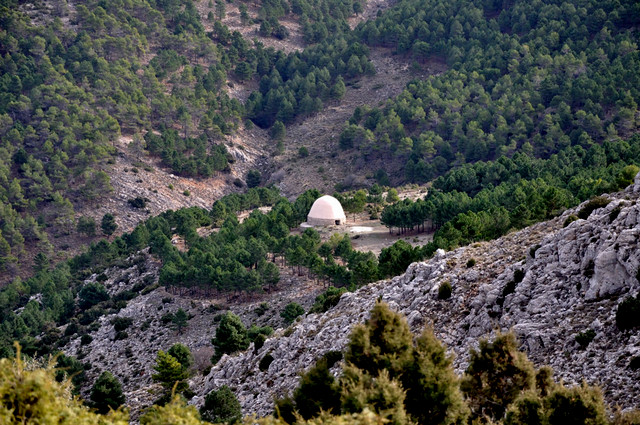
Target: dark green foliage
<point>40,262</point>
<point>262,309</point>
<point>614,213</point>
<point>138,202</point>
<point>627,175</point>
<point>395,259</point>
<point>278,131</point>
<point>91,294</point>
<point>327,299</point>
<point>265,362</point>
<point>486,105</point>
<point>471,263</point>
<point>317,390</point>
<point>496,376</point>
<point>86,339</point>
<point>182,354</point>
<point>170,371</point>
<point>533,250</point>
<point>254,331</point>
<point>254,178</point>
<point>332,357</point>
<point>68,367</point>
<point>221,406</point>
<point>575,406</point>
<point>291,312</point>
<point>121,323</point>
<point>584,338</point>
<point>106,393</point>
<point>180,320</point>
<point>444,290</point>
<point>594,204</point>
<point>509,288</point>
<point>86,225</point>
<point>628,313</point>
<point>120,335</point>
<point>231,336</point>
<point>569,220</point>
<point>190,157</point>
<point>386,372</point>
<point>303,152</point>
<point>108,224</point>
<point>258,342</point>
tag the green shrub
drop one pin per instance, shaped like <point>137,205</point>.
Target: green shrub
<point>584,338</point>
<point>291,312</point>
<point>509,288</point>
<point>533,250</point>
<point>569,220</point>
<point>261,309</point>
<point>86,339</point>
<point>258,342</point>
<point>138,202</point>
<point>592,205</point>
<point>327,299</point>
<point>121,323</point>
<point>444,291</point>
<point>471,263</point>
<point>106,393</point>
<point>221,406</point>
<point>265,362</point>
<point>628,313</point>
<point>332,357</point>
<point>121,335</point>
<point>614,213</point>
<point>166,318</point>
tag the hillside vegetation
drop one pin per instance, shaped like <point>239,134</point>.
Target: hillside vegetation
<point>516,111</point>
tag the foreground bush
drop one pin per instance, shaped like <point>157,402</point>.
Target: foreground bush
<point>29,393</point>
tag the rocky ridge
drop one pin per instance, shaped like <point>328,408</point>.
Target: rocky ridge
<point>131,359</point>
<point>568,279</point>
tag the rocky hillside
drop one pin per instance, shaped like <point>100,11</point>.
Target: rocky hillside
<point>548,283</point>
<point>131,356</point>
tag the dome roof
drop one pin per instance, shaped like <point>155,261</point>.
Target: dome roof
<point>326,208</point>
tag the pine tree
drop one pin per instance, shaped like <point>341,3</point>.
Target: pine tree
<point>108,224</point>
<point>231,336</point>
<point>317,391</point>
<point>221,406</point>
<point>291,312</point>
<point>182,354</point>
<point>106,393</point>
<point>169,372</point>
<point>180,320</point>
<point>496,375</point>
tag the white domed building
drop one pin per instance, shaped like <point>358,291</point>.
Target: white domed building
<point>326,211</point>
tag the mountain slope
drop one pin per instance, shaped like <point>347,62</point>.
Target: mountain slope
<point>570,283</point>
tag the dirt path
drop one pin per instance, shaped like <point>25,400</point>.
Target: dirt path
<point>326,165</point>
